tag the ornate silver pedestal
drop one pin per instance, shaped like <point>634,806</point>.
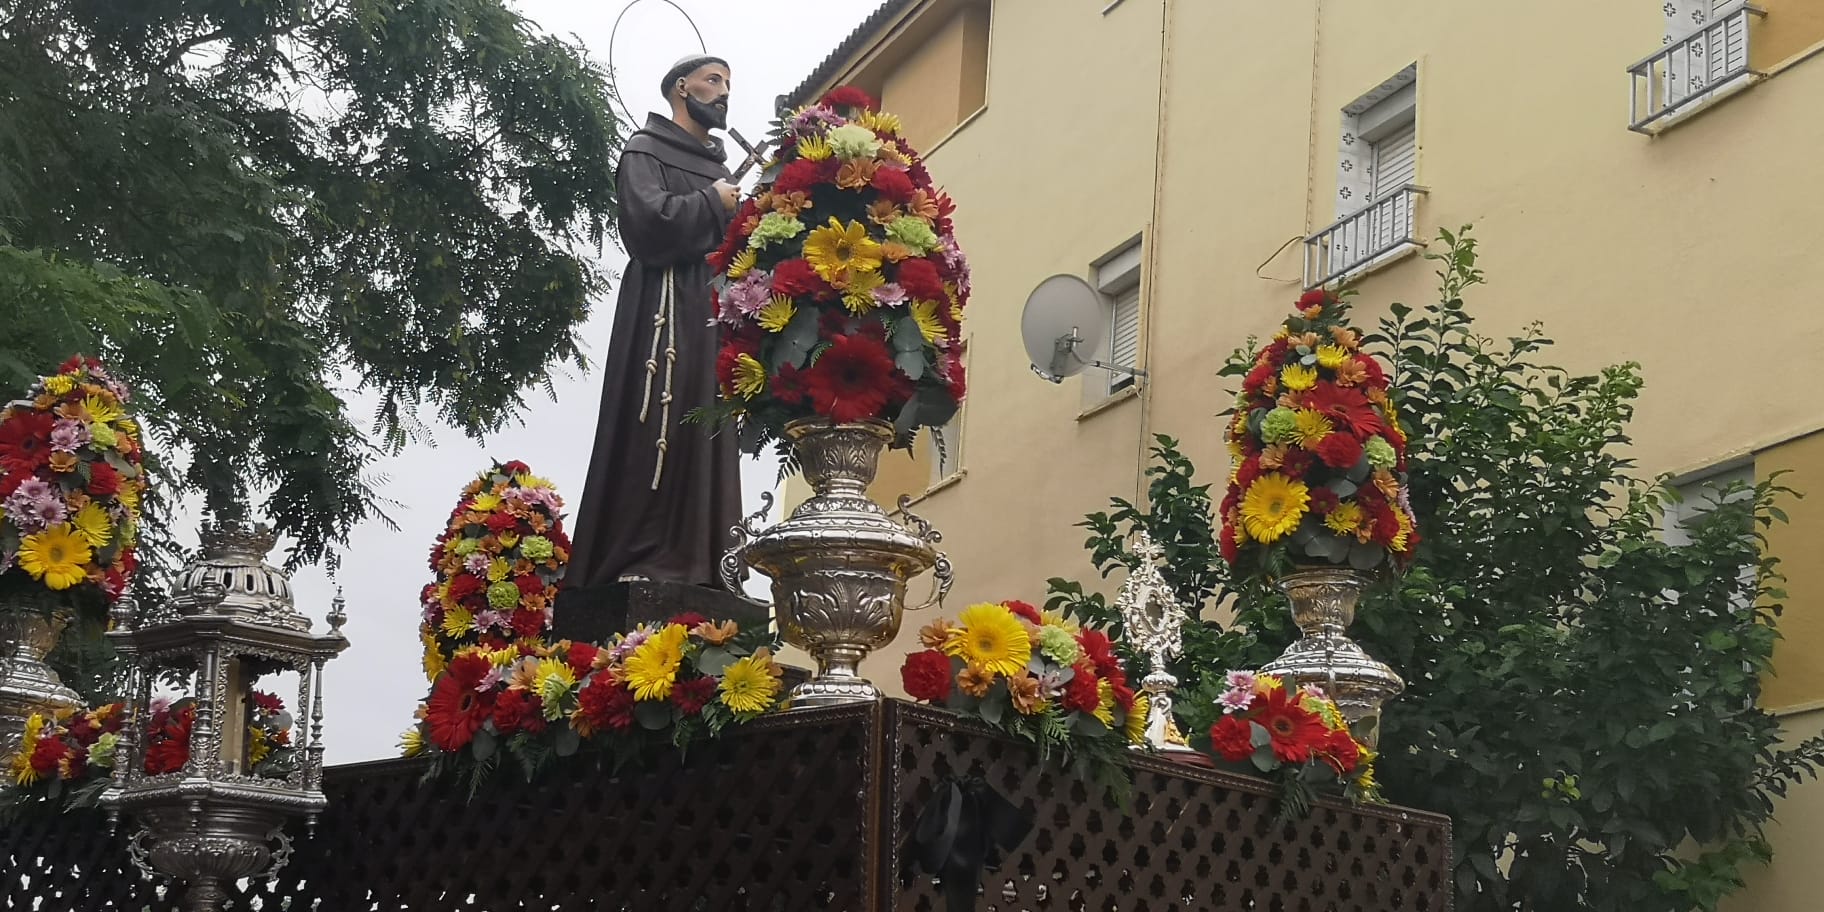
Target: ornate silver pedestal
<point>839,565</point>
<point>27,684</point>
<point>1155,623</point>
<point>1323,606</point>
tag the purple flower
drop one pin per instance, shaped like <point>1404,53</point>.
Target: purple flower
<point>815,118</point>
<point>1313,691</point>
<point>477,564</point>
<point>746,297</point>
<point>488,619</point>
<point>890,295</point>
<point>488,681</point>
<point>1240,680</point>
<point>1233,701</point>
<point>67,435</point>
<point>35,506</point>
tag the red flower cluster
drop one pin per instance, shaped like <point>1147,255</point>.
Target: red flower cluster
<point>1299,727</point>
<point>1319,451</point>
<point>847,228</point>
<point>63,750</point>
<point>497,565</point>
<point>168,737</point>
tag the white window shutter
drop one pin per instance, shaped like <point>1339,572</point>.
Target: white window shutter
<point>1396,164</point>
<point>1124,336</point>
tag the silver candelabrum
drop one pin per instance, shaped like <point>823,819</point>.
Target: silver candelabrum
<point>839,565</point>
<point>1154,622</point>
<point>230,620</point>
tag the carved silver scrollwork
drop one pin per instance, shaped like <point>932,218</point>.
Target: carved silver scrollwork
<point>141,854</point>
<point>942,574</point>
<point>732,567</point>
<point>281,855</point>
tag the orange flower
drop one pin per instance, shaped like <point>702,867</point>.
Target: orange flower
<point>1308,340</point>
<point>1271,387</point>
<point>73,410</point>
<point>894,251</point>
<point>1288,400</point>
<point>790,204</point>
<point>44,402</point>
<point>747,227</point>
<point>538,522</point>
<point>1024,690</point>
<point>935,634</point>
<point>1313,312</point>
<point>975,680</point>
<point>77,500</point>
<point>883,212</point>
<point>1350,373</point>
<point>923,205</point>
<point>523,567</point>
<point>856,173</point>
<point>890,152</point>
<point>64,462</point>
<point>1376,395</point>
<point>716,634</point>
<point>533,602</point>
<point>1389,485</point>
<point>1274,456</point>
<point>1344,336</point>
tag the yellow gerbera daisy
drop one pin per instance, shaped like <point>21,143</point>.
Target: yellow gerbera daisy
<point>23,773</point>
<point>1344,519</point>
<point>1311,429</point>
<point>411,743</point>
<point>742,264</point>
<point>1137,719</point>
<point>837,249</point>
<point>457,621</point>
<point>1332,357</point>
<point>92,523</point>
<point>433,656</point>
<point>1298,377</point>
<point>1272,507</point>
<point>1399,538</point>
<point>775,314</point>
<point>925,312</point>
<point>653,666</point>
<point>1105,706</point>
<point>750,685</point>
<point>57,556</point>
<point>813,148</point>
<point>990,637</point>
<point>750,377</point>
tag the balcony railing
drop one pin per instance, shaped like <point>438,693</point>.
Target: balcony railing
<point>1689,70</point>
<point>1359,240</point>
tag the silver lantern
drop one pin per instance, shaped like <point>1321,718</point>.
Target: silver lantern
<point>220,816</point>
<point>1154,622</point>
<point>839,565</point>
<point>1323,606</point>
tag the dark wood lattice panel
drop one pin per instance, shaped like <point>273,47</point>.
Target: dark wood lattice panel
<point>1192,839</point>
<point>808,811</point>
<point>764,822</point>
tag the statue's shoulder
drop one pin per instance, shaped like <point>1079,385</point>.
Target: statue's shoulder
<point>644,143</point>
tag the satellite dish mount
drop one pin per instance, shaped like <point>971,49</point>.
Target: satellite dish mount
<point>1063,318</point>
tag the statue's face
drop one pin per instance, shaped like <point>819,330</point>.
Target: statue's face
<point>705,95</point>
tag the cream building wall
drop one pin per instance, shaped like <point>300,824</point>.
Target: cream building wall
<point>1212,131</point>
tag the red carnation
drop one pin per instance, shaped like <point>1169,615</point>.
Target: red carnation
<point>1257,378</point>
<point>689,620</point>
<point>515,467</point>
<point>1386,525</point>
<point>955,378</point>
<point>1124,695</point>
<point>581,657</point>
<point>788,385</point>
<point>605,705</point>
<point>1247,472</point>
<point>465,585</point>
<point>894,184</point>
<point>528,623</point>
<point>725,362</point>
<point>920,280</point>
<point>529,584</point>
<point>1232,738</point>
<point>848,96</point>
<point>1100,651</point>
<point>269,704</point>
<point>502,522</point>
<point>1081,694</point>
<point>691,696</point>
<point>10,480</point>
<point>1341,752</point>
<point>852,380</point>
<point>795,278</point>
<point>926,676</point>
<point>519,710</point>
<point>1295,463</point>
<point>73,363</point>
<point>800,175</point>
<point>1376,376</point>
<point>1314,298</point>
<point>48,753</point>
<point>1340,451</point>
<point>1231,549</point>
<point>25,441</point>
<point>104,481</point>
<point>1023,610</point>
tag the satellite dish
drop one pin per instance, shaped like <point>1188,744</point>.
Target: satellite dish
<point>1065,319</point>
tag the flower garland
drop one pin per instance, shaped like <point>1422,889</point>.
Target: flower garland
<point>1298,738</point>
<point>268,752</point>
<point>497,566</point>
<point>1033,674</point>
<point>65,749</point>
<point>840,288</point>
<point>71,484</point>
<point>680,681</point>
<point>1320,457</point>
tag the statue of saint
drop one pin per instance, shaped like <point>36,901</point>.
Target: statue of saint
<point>661,493</point>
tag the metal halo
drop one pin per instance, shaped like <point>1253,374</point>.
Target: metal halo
<point>702,48</point>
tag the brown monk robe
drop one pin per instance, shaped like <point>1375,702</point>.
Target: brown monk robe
<point>661,494</point>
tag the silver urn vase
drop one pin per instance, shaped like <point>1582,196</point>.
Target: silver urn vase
<point>839,565</point>
<point>1323,606</point>
<point>28,633</point>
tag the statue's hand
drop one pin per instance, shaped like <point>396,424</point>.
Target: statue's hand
<point>731,194</point>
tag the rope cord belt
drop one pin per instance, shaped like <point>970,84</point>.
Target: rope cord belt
<point>663,323</point>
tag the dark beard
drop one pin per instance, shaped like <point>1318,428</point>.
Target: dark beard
<point>706,114</point>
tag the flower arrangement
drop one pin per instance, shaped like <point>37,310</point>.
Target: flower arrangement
<point>683,680</point>
<point>66,750</point>
<point>1320,457</point>
<point>71,484</point>
<point>1299,738</point>
<point>497,566</point>
<point>840,288</point>
<point>1033,674</point>
<point>267,753</point>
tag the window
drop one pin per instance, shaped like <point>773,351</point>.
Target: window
<point>945,444</point>
<point>1377,171</point>
<point>1700,494</point>
<point>1117,278</point>
<point>1704,55</point>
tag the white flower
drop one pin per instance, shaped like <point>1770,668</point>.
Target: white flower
<point>854,141</point>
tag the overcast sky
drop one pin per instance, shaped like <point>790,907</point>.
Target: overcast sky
<point>374,686</point>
